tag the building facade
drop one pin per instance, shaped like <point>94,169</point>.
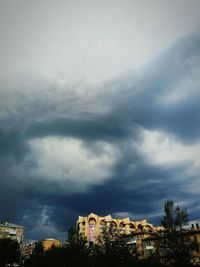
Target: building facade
<point>27,249</point>
<point>191,232</point>
<point>50,242</point>
<point>12,231</point>
<point>92,226</point>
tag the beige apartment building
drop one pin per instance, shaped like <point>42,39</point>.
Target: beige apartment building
<point>12,231</point>
<point>92,226</point>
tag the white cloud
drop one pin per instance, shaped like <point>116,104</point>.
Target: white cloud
<point>136,216</point>
<point>186,88</point>
<point>91,39</point>
<point>165,150</point>
<point>123,214</point>
<point>68,162</point>
<point>29,93</point>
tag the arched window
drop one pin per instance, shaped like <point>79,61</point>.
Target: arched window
<point>132,227</point>
<point>102,222</point>
<point>92,221</point>
<point>113,224</point>
<point>122,225</point>
<point>140,227</point>
<point>147,228</point>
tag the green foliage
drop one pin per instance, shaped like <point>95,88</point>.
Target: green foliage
<point>112,249</point>
<point>175,246</point>
<point>9,251</point>
<point>152,261</point>
<point>39,250</point>
<point>72,235</point>
<point>174,217</point>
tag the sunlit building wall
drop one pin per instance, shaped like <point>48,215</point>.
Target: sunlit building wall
<point>92,225</point>
<point>12,231</point>
<point>50,242</point>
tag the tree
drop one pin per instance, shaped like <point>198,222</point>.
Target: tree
<point>9,251</point>
<point>112,249</point>
<point>175,245</point>
<point>72,235</point>
<point>76,249</point>
<point>55,256</point>
<point>38,250</point>
<point>174,217</point>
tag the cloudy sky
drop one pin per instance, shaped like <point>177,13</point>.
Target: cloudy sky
<point>99,110</point>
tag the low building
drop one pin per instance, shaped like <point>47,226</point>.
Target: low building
<point>12,231</point>
<point>27,249</point>
<point>191,232</point>
<point>141,243</point>
<point>50,242</point>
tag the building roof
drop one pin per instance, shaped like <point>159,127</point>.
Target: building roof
<point>189,224</point>
<point>11,225</point>
<point>50,239</point>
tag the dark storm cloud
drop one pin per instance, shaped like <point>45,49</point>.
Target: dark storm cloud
<point>121,193</point>
<point>95,128</point>
<point>145,104</point>
<point>162,96</point>
<point>140,101</point>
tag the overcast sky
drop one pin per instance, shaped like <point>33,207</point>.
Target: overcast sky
<point>99,110</point>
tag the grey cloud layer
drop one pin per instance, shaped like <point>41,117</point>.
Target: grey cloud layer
<point>163,97</point>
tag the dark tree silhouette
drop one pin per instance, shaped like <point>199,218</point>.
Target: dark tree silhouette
<point>174,217</point>
<point>9,252</point>
<point>174,244</point>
